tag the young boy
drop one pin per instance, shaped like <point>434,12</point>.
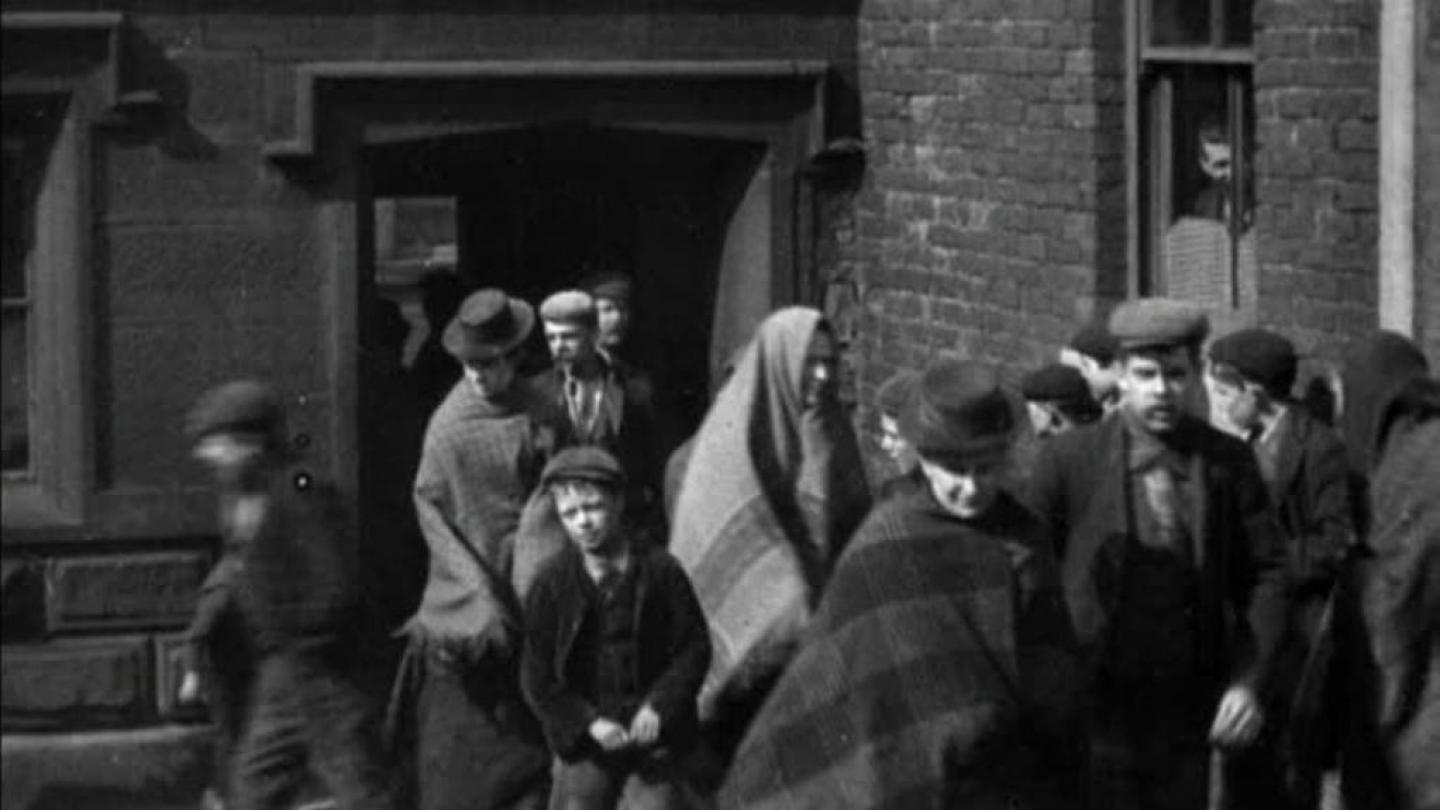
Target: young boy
<point>616,647</point>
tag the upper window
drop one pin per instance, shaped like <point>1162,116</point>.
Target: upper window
<point>1195,127</point>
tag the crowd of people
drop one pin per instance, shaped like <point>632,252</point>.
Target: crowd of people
<point>1140,611</point>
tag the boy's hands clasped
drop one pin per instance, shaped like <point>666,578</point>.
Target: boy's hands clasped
<point>644,731</point>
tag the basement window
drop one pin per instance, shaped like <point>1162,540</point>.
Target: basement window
<point>1193,121</point>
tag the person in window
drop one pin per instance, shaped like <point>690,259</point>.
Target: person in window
<point>772,493</point>
<point>615,648</point>
<point>294,580</point>
<point>1172,567</point>
<point>940,670</point>
<point>1303,465</point>
<point>890,401</point>
<point>1390,420</point>
<point>1058,400</point>
<point>588,398</point>
<point>1215,156</point>
<point>457,717</point>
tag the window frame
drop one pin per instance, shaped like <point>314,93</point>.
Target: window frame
<point>1143,275</point>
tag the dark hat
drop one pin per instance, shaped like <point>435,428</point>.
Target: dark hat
<point>611,285</point>
<point>891,396</point>
<point>956,411</point>
<point>1260,356</point>
<point>569,306</point>
<point>1055,383</point>
<point>489,324</point>
<point>1158,323</point>
<point>586,463</point>
<point>240,406</point>
<point>1095,341</point>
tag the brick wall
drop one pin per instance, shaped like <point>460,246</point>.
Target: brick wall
<point>1316,169</point>
<point>1427,192</point>
<point>993,213</point>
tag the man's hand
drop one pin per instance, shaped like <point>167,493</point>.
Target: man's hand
<point>645,727</point>
<point>1239,719</point>
<point>609,734</point>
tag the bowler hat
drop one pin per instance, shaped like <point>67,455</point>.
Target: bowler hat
<point>1158,323</point>
<point>241,406</point>
<point>1260,356</point>
<point>489,324</point>
<point>957,411</point>
<point>611,285</point>
<point>586,463</point>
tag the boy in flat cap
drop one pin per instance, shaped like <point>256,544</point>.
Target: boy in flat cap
<point>591,398</point>
<point>1172,567</point>
<point>1058,400</point>
<point>1091,351</point>
<point>457,714</point>
<point>294,584</point>
<point>616,646</point>
<point>1303,464</point>
<point>939,670</point>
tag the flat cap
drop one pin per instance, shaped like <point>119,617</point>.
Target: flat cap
<point>957,411</point>
<point>1095,341</point>
<point>585,463</point>
<point>1158,322</point>
<point>1055,383</point>
<point>891,396</point>
<point>611,285</point>
<point>1260,356</point>
<point>569,306</point>
<point>246,406</point>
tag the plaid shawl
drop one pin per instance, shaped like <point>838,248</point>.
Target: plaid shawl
<point>939,672</point>
<point>771,494</point>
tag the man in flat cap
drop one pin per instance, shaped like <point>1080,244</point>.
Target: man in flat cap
<point>482,456</point>
<point>590,398</point>
<point>612,292</point>
<point>1091,351</point>
<point>941,649</point>
<point>1303,464</point>
<point>1172,566</point>
<point>293,583</point>
<point>1058,400</point>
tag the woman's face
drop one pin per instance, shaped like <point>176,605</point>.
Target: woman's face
<point>966,490</point>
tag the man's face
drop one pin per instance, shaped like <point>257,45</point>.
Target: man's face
<point>230,457</point>
<point>1215,160</point>
<point>1153,386</point>
<point>896,446</point>
<point>969,488</point>
<point>1240,403</point>
<point>822,361</point>
<point>589,514</point>
<point>1101,377</point>
<point>491,377</point>
<point>614,321</point>
<point>1047,420</point>
<point>569,343</point>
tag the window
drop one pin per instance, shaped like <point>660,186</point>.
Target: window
<point>40,425</point>
<point>1193,123</point>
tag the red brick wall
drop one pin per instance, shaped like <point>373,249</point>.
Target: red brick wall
<point>996,183</point>
<point>1316,169</point>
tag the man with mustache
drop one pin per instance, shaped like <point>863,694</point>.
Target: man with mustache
<point>1172,569</point>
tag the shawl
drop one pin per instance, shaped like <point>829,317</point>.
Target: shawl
<point>771,494</point>
<point>940,671</point>
<point>479,463</point>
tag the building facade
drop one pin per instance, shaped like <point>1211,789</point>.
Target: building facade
<point>196,192</point>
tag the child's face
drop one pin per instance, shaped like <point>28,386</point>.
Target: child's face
<point>589,514</point>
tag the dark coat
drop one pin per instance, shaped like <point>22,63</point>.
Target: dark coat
<point>1079,487</point>
<point>1311,497</point>
<point>671,634</point>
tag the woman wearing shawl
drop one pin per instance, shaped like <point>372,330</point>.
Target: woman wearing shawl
<point>457,717</point>
<point>771,494</point>
<point>940,670</point>
<point>1390,419</point>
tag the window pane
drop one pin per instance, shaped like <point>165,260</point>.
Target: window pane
<point>1239,24</point>
<point>1180,22</point>
<point>15,404</point>
<point>30,129</point>
<point>1197,156</point>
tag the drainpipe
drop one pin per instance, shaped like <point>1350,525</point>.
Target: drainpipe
<point>1397,166</point>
